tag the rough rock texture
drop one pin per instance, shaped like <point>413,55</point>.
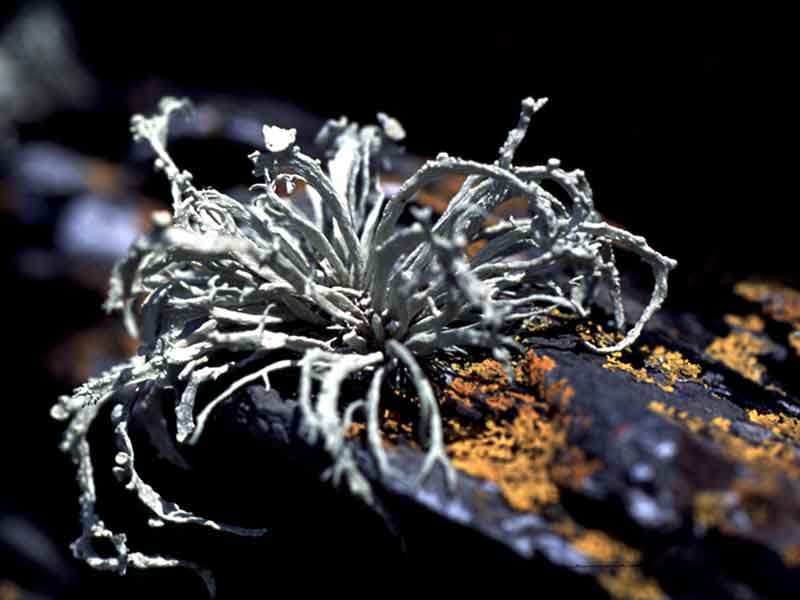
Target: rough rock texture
<point>667,471</point>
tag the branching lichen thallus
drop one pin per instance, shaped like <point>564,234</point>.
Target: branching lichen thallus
<point>335,284</point>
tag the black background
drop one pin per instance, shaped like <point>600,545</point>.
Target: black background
<point>684,126</point>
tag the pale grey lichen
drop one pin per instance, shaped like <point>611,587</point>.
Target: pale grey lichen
<point>335,286</point>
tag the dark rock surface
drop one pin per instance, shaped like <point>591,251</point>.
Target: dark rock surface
<point>661,473</point>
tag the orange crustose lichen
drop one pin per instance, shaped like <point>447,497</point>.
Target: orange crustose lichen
<point>791,555</point>
<point>614,362</point>
<point>752,323</point>
<point>673,366</point>
<point>777,456</point>
<point>524,451</point>
<point>753,507</point>
<point>739,351</point>
<point>621,579</point>
<point>755,498</point>
<point>355,430</point>
<point>794,341</point>
<point>597,335</point>
<point>754,502</point>
<point>662,367</point>
<point>779,302</point>
<point>437,194</point>
<point>783,426</point>
<point>618,569</point>
<point>486,382</point>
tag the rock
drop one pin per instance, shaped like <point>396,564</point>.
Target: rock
<point>655,473</point>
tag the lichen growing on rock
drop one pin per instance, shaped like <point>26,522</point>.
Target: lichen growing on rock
<point>334,287</point>
<point>524,451</point>
<point>620,577</point>
<point>739,351</point>
<point>660,367</point>
<point>775,454</point>
<point>778,302</point>
<point>673,366</point>
<point>782,426</point>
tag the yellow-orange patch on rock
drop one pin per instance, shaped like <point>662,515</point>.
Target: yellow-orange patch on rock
<point>662,367</point>
<point>752,323</point>
<point>739,351</point>
<point>783,426</point>
<point>777,301</point>
<point>772,457</point>
<point>525,454</point>
<point>620,577</point>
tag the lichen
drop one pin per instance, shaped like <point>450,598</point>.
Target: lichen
<point>515,456</point>
<point>711,508</point>
<point>721,423</point>
<point>782,426</point>
<point>614,362</point>
<point>674,366</point>
<point>334,286</point>
<point>752,323</point>
<point>778,456</point>
<point>524,450</point>
<point>594,333</point>
<point>752,507</point>
<point>661,367</point>
<point>794,341</point>
<point>779,302</point>
<point>791,555</point>
<point>739,351</point>
<point>614,564</point>
<point>620,576</point>
<point>759,498</point>
<point>692,423</point>
<point>437,194</point>
<point>9,590</point>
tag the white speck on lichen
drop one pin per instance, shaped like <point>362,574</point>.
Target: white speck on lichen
<point>277,139</point>
<point>391,127</point>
